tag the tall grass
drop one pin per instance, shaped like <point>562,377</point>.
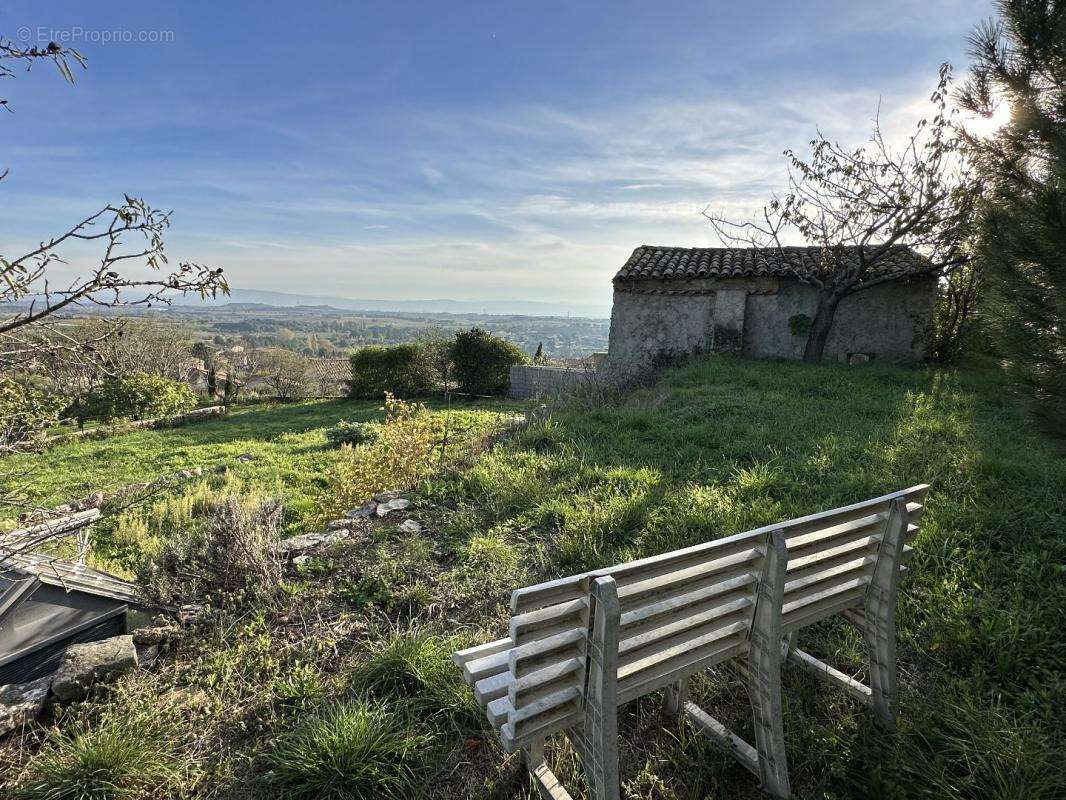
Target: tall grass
<point>350,751</point>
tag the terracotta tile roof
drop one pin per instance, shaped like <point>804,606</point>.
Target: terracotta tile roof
<point>684,263</point>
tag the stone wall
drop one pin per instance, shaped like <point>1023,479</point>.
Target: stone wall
<point>530,381</point>
<point>890,322</point>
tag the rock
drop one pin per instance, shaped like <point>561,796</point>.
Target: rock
<point>298,544</point>
<point>93,662</point>
<point>410,526</point>
<point>197,471</point>
<point>146,654</point>
<point>858,358</point>
<point>95,500</point>
<point>245,457</point>
<point>191,613</point>
<point>64,509</point>
<point>338,524</point>
<point>384,497</point>
<point>366,510</point>
<point>22,702</point>
<point>299,561</point>
<point>388,507</point>
<point>160,634</point>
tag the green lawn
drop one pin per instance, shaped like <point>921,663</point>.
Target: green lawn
<point>717,447</point>
<point>286,442</point>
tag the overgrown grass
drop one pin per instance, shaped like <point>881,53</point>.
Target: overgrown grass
<point>287,444</point>
<point>718,447</point>
<point>722,446</point>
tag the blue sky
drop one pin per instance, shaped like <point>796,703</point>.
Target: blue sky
<point>465,150</point>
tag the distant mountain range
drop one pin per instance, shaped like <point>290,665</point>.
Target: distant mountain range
<point>530,308</point>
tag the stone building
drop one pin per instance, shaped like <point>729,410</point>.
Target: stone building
<point>675,301</point>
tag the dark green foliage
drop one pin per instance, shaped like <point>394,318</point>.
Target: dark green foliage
<point>353,433</point>
<point>483,362</point>
<point>351,751</point>
<point>403,369</point>
<point>25,412</point>
<point>799,324</point>
<point>137,396</point>
<point>212,383</point>
<point>539,355</point>
<point>1021,60</point>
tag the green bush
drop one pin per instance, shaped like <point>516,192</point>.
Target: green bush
<point>403,370</point>
<point>139,396</point>
<point>353,433</point>
<point>483,362</point>
<point>25,412</point>
<point>351,751</point>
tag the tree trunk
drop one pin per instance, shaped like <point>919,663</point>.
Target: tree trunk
<point>821,325</point>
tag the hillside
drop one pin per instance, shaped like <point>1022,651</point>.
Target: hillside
<point>249,707</point>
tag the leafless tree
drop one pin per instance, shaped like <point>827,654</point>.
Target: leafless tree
<point>860,207</point>
<point>129,235</point>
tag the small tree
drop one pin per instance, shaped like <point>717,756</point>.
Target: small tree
<point>286,373</point>
<point>402,370</point>
<point>437,348</point>
<point>538,357</point>
<point>1021,60</point>
<point>483,362</point>
<point>212,382</point>
<point>860,207</point>
<point>25,412</point>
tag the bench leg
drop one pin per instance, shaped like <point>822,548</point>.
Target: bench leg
<point>675,697</point>
<point>763,672</point>
<point>879,616</point>
<point>548,785</point>
<point>600,731</point>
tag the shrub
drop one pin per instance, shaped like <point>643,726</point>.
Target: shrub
<point>403,370</point>
<point>350,751</point>
<point>403,454</point>
<point>230,558</point>
<point>25,412</point>
<point>353,433</point>
<point>140,396</point>
<point>483,362</point>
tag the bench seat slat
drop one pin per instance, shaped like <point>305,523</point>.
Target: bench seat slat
<point>488,689</point>
<point>542,652</point>
<point>461,657</point>
<point>485,667</point>
<point>552,678</point>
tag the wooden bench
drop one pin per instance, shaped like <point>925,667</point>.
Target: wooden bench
<point>580,647</point>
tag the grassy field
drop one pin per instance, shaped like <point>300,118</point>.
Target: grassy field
<point>286,441</point>
<point>345,689</point>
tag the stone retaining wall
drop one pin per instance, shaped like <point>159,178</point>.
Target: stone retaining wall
<point>531,381</point>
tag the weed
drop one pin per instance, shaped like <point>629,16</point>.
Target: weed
<point>349,751</point>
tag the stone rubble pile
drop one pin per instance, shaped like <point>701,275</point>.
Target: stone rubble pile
<point>83,667</point>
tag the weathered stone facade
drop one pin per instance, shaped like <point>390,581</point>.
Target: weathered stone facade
<point>762,316</point>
